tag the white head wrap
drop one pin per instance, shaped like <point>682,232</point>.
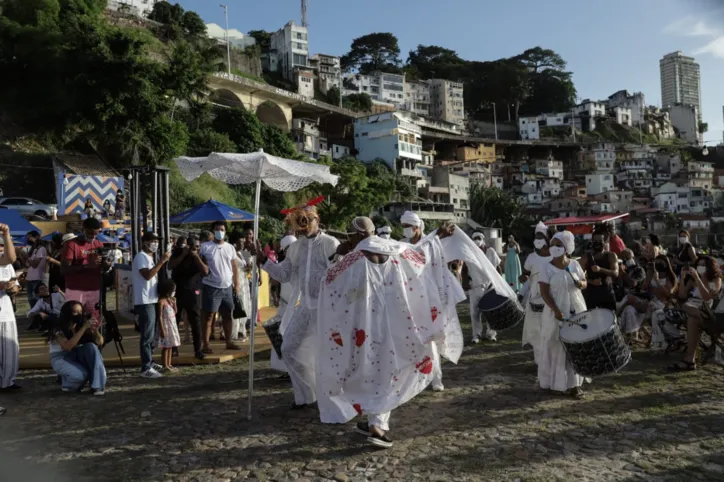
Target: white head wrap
<point>408,217</point>
<point>568,240</point>
<point>541,228</point>
<point>287,241</point>
<point>384,230</point>
<point>478,236</point>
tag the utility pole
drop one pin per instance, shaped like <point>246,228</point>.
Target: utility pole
<point>228,44</point>
<point>573,124</point>
<point>495,120</point>
<point>304,13</point>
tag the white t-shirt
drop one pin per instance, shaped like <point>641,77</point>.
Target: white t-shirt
<point>218,258</point>
<point>535,264</point>
<point>144,292</point>
<point>36,274</point>
<point>7,273</point>
<point>493,257</point>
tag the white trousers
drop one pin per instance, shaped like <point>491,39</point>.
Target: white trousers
<point>480,329</point>
<point>9,353</point>
<point>436,366</point>
<point>299,354</point>
<point>381,420</point>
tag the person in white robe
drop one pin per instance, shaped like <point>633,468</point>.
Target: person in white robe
<point>534,305</point>
<point>379,318</point>
<point>9,347</point>
<point>480,329</point>
<point>561,282</point>
<point>384,232</point>
<point>284,300</point>
<point>446,283</point>
<point>305,264</point>
<point>244,262</point>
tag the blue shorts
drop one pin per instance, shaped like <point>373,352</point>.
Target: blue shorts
<point>217,300</point>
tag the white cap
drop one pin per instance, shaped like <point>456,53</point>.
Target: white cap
<point>68,237</point>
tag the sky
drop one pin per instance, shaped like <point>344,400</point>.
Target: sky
<point>609,45</point>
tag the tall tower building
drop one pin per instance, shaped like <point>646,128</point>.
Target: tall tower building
<point>680,81</point>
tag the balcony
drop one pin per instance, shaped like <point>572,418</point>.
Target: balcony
<point>410,173</point>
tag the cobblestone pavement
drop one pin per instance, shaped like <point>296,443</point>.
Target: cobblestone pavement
<point>491,423</point>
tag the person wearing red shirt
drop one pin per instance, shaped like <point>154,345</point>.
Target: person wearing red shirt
<point>615,244</point>
<point>81,266</point>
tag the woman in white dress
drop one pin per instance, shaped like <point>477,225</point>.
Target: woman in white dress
<point>284,299</point>
<point>534,263</point>
<point>561,282</point>
<point>244,263</point>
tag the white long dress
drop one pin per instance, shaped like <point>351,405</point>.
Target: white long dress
<point>286,294</point>
<point>306,262</point>
<point>377,325</point>
<point>9,347</point>
<point>554,370</point>
<point>531,325</point>
<point>244,261</point>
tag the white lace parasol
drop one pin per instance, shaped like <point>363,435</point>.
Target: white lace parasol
<point>277,173</point>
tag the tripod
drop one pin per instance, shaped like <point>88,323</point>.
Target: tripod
<point>110,328</point>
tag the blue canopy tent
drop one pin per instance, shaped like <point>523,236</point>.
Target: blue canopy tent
<point>105,239</point>
<point>19,226</point>
<point>211,211</point>
<point>49,237</point>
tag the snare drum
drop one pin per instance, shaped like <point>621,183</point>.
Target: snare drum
<point>594,343</point>
<point>271,327</point>
<point>500,312</point>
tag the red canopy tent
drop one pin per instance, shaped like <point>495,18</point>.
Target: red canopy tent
<point>583,224</point>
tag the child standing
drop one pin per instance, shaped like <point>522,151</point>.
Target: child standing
<point>169,336</point>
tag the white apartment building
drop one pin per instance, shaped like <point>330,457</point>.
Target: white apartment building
<point>622,115</point>
<point>529,128</point>
<point>680,81</point>
<point>328,69</point>
<point>389,136</point>
<point>598,183</point>
<point>380,86</point>
<point>446,101</point>
<point>549,168</point>
<point>589,111</point>
<point>685,118</point>
<point>636,102</point>
<point>417,97</point>
<point>600,157</point>
<point>308,138</point>
<point>339,151</point>
<point>701,174</point>
<point>290,46</point>
<point>134,7</point>
<point>305,83</point>
<point>458,189</point>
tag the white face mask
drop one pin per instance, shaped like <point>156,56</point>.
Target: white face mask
<point>539,243</point>
<point>630,262</point>
<point>683,240</point>
<point>557,251</point>
<point>701,269</point>
<point>409,232</point>
<point>479,242</point>
<point>153,247</point>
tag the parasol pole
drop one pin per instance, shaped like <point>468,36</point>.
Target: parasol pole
<point>254,295</point>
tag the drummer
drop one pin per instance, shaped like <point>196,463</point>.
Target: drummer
<point>534,263</point>
<point>561,282</point>
<point>601,268</point>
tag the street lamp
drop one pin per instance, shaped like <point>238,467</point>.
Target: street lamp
<point>495,120</point>
<point>228,44</point>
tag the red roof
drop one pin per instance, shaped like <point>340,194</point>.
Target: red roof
<point>584,219</point>
<point>693,217</point>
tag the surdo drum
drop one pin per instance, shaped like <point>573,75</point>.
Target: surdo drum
<point>271,327</point>
<point>500,312</point>
<point>594,343</point>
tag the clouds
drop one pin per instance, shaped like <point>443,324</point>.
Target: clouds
<point>697,26</point>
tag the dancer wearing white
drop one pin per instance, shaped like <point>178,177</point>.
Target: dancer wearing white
<point>9,347</point>
<point>447,285</point>
<point>561,282</point>
<point>384,232</point>
<point>244,262</point>
<point>534,305</point>
<point>379,318</point>
<point>305,265</point>
<point>284,300</point>
<point>480,329</point>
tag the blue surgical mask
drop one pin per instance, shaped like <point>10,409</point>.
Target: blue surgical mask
<point>219,235</point>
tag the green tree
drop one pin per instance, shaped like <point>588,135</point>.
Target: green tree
<point>703,127</point>
<point>167,13</point>
<point>277,142</point>
<point>431,61</point>
<point>358,102</point>
<point>492,207</point>
<point>333,95</point>
<point>263,39</point>
<point>205,141</point>
<point>373,52</point>
<point>193,24</point>
<point>241,126</point>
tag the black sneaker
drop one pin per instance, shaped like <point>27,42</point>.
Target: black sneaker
<point>299,407</point>
<point>363,428</point>
<point>380,441</point>
<point>199,355</point>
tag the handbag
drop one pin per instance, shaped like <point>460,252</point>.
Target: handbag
<point>239,311</point>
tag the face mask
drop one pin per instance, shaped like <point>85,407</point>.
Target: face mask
<point>153,247</point>
<point>701,269</point>
<point>683,240</point>
<point>219,235</point>
<point>479,242</point>
<point>539,243</point>
<point>597,246</point>
<point>557,251</point>
<point>409,232</point>
<point>630,263</point>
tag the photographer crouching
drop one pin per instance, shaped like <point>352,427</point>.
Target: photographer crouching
<point>74,350</point>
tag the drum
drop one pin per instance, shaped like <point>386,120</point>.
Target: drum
<point>500,312</point>
<point>271,327</point>
<point>594,343</point>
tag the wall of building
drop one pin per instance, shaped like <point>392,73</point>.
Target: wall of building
<point>685,118</point>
